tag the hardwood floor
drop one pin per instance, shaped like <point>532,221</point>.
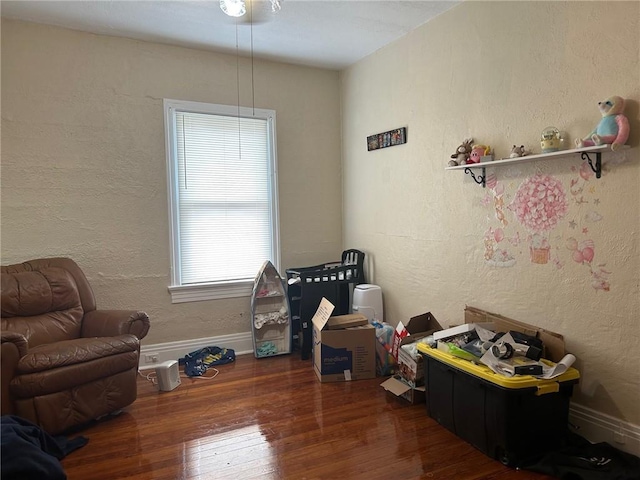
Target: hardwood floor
<point>272,419</point>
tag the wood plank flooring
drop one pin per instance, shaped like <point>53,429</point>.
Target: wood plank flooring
<point>272,419</point>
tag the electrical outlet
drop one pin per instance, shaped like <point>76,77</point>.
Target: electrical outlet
<point>151,358</point>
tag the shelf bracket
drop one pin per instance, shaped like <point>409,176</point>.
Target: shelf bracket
<point>598,168</point>
<point>480,179</point>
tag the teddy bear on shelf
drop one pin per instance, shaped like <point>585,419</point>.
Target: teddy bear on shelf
<point>613,128</point>
<point>462,153</point>
<point>519,151</point>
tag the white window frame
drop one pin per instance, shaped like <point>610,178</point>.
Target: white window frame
<point>224,289</point>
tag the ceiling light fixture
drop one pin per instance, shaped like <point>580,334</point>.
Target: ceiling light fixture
<point>233,8</point>
<point>276,5</point>
<point>237,8</point>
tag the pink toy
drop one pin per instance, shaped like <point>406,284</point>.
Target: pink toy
<point>478,151</point>
<point>613,128</point>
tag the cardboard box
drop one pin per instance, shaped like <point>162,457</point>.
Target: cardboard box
<point>553,342</point>
<point>409,368</point>
<point>343,354</point>
<point>453,331</point>
<point>345,321</point>
<point>401,389</point>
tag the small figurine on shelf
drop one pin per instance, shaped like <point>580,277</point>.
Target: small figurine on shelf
<point>462,153</point>
<point>477,152</point>
<point>613,128</point>
<point>551,140</point>
<point>519,151</point>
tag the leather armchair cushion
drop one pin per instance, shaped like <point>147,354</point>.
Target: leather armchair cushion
<point>54,367</point>
<point>44,305</point>
<point>25,294</point>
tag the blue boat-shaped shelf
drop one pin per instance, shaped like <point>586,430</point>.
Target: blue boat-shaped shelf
<point>270,316</point>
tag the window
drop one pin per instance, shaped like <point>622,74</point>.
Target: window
<point>221,167</point>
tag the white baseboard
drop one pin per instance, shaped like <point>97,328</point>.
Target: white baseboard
<point>241,343</point>
<point>598,427</point>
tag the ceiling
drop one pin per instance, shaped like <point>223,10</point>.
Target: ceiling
<point>327,34</point>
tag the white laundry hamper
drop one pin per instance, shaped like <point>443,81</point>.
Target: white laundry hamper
<point>367,299</point>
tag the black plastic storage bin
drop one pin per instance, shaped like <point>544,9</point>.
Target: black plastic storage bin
<point>509,419</point>
<point>308,285</point>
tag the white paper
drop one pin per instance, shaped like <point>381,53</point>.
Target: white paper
<point>560,367</point>
<point>484,334</point>
<point>325,309</point>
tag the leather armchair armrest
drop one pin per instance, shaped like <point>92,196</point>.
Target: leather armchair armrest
<point>109,323</point>
<point>13,347</point>
<point>18,340</point>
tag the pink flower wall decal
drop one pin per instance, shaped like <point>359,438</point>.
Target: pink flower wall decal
<point>540,203</point>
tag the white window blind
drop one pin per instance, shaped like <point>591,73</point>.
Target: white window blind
<point>224,215</point>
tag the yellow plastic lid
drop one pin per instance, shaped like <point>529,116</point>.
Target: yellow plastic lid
<point>484,372</point>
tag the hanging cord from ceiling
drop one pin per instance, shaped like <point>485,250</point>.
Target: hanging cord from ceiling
<point>253,101</point>
<point>238,85</point>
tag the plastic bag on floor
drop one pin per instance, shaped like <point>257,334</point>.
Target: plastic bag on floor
<point>196,363</point>
<point>582,460</point>
<point>385,362</point>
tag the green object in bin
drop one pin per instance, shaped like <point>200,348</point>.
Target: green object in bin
<point>461,353</point>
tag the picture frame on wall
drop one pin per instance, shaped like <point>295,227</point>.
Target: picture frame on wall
<point>387,139</point>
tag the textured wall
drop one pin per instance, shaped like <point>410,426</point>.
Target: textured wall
<point>84,167</point>
<point>500,73</point>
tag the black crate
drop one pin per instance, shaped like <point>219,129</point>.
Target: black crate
<point>333,281</point>
<point>511,425</point>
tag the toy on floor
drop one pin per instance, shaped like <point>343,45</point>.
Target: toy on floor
<point>613,128</point>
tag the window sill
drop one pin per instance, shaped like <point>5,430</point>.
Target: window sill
<point>211,291</point>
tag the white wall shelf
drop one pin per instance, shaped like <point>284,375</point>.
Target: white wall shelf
<point>584,154</point>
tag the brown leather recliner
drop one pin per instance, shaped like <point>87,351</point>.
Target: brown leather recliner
<point>64,362</point>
